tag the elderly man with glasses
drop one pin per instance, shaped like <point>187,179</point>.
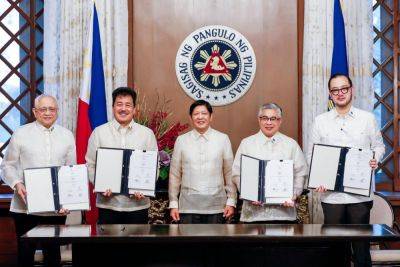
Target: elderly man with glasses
<point>347,126</point>
<point>41,143</point>
<point>270,144</point>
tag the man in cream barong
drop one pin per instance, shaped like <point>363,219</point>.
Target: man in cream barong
<point>269,144</point>
<point>39,144</point>
<point>200,178</point>
<point>121,132</point>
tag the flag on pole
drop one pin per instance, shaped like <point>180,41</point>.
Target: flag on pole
<point>92,109</point>
<point>339,54</point>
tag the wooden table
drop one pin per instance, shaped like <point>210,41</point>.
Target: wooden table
<point>8,243</point>
<point>5,201</point>
<point>211,245</point>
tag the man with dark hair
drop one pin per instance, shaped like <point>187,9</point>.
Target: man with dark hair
<point>347,126</point>
<point>200,182</point>
<point>200,103</point>
<point>350,82</point>
<point>124,91</point>
<point>121,132</point>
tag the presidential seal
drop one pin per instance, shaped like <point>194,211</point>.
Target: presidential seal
<point>215,63</point>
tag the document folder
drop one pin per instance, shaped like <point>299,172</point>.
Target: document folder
<point>266,181</point>
<point>341,169</point>
<point>52,188</point>
<point>126,171</point>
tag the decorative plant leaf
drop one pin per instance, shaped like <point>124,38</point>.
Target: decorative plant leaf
<point>164,173</point>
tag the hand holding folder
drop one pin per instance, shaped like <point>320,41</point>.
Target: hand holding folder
<point>341,169</point>
<point>21,191</point>
<point>266,181</point>
<point>56,189</point>
<point>286,203</point>
<point>126,171</point>
<point>137,195</point>
<point>107,193</point>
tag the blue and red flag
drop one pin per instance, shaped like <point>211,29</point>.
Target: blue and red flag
<point>339,54</point>
<point>92,109</point>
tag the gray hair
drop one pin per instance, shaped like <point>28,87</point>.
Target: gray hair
<point>40,97</point>
<point>273,106</point>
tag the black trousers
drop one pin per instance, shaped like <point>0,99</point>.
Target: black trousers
<point>26,252</point>
<point>357,213</point>
<point>107,216</point>
<point>193,218</point>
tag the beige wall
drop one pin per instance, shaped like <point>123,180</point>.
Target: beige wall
<point>159,26</point>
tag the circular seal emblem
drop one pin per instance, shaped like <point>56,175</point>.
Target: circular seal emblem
<point>215,63</point>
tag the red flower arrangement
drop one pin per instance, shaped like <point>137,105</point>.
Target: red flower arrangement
<point>166,133</point>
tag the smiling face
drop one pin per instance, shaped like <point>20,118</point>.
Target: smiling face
<point>123,109</point>
<point>201,119</point>
<point>269,121</point>
<point>341,92</point>
<point>46,111</point>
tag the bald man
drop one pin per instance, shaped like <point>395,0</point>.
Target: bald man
<point>34,145</point>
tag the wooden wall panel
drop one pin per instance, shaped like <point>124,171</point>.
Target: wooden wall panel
<point>159,27</point>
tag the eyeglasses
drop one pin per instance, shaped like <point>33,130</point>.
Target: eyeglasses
<point>343,90</point>
<point>271,119</point>
<point>44,109</point>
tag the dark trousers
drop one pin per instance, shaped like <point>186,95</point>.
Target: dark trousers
<point>26,252</point>
<point>357,213</point>
<point>107,216</point>
<point>192,218</point>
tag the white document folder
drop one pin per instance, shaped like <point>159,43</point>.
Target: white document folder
<point>143,172</point>
<point>52,188</point>
<point>278,181</point>
<point>109,165</point>
<point>324,166</point>
<point>73,186</point>
<point>357,170</point>
<point>341,169</point>
<point>39,187</point>
<point>126,171</point>
<point>267,181</point>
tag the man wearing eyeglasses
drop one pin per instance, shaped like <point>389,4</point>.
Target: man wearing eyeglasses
<point>38,144</point>
<point>269,144</point>
<point>348,126</point>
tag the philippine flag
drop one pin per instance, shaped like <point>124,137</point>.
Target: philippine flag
<point>92,109</point>
<point>339,63</point>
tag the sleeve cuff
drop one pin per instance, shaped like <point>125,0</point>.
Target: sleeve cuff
<point>231,202</point>
<point>15,183</point>
<point>298,191</point>
<point>173,204</point>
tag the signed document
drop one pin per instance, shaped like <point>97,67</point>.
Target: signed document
<point>357,172</point>
<point>266,181</point>
<point>73,187</point>
<point>52,188</point>
<point>279,181</point>
<point>143,172</point>
<point>341,169</point>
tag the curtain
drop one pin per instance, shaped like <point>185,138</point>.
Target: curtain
<point>66,25</point>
